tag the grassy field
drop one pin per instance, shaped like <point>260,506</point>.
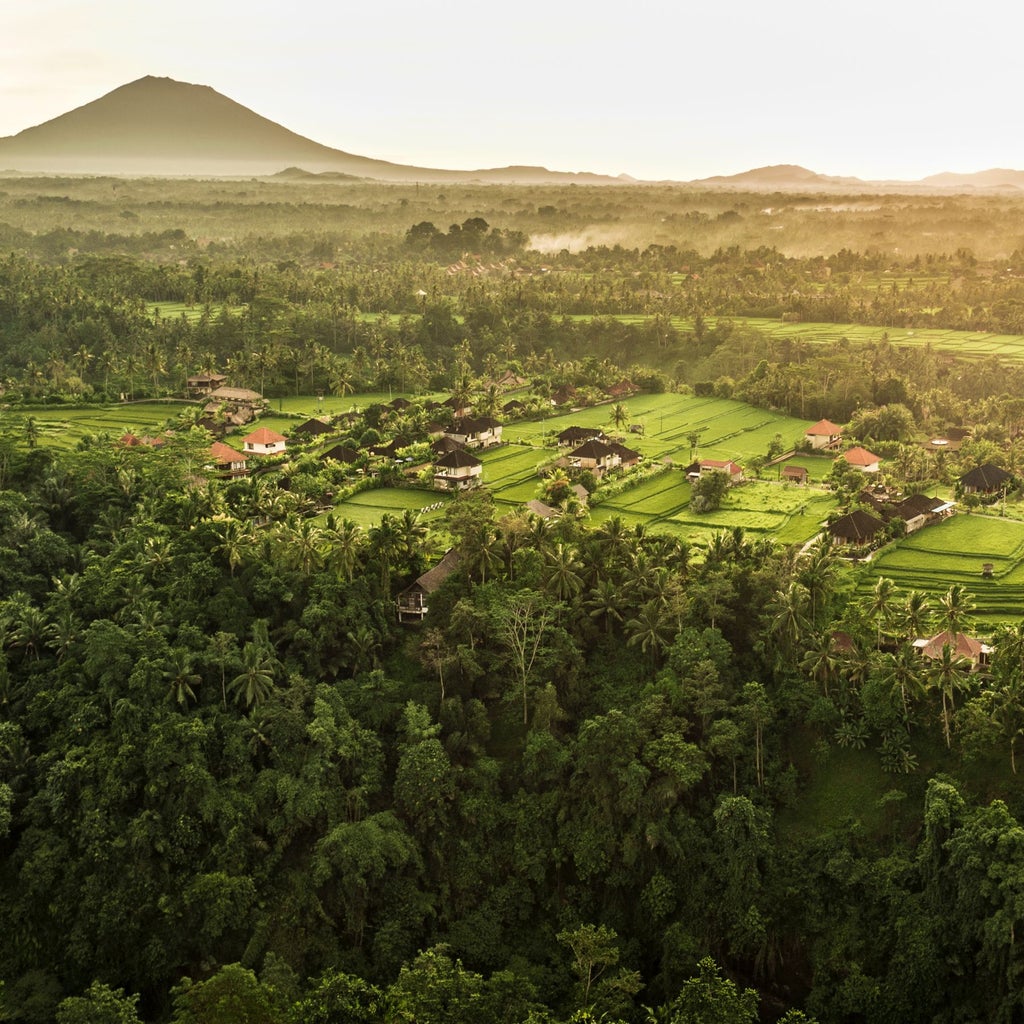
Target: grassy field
<point>976,344</point>
<point>177,310</point>
<point>954,551</point>
<point>367,509</point>
<point>62,427</point>
<point>970,344</point>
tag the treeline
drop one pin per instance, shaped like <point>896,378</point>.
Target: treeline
<point>82,330</point>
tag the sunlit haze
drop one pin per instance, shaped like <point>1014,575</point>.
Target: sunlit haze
<point>655,90</point>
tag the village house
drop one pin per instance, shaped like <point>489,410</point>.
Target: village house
<point>823,435</point>
<point>623,389</point>
<point>596,456</point>
<point>478,432</point>
<point>203,383</point>
<point>572,436</point>
<point>457,471</point>
<point>960,645</point>
<point>862,459</point>
<point>413,602</point>
<point>984,479</point>
<point>794,474</point>
<point>916,510</point>
<point>227,462</point>
<point>238,406</point>
<point>563,395</point>
<point>627,457</point>
<point>389,450</point>
<point>542,511</point>
<point>856,527</point>
<point>443,445</point>
<point>341,453</point>
<point>510,381</point>
<point>310,430</point>
<point>264,441</point>
<point>733,471</point>
<point>131,441</point>
<point>919,510</point>
<point>459,407</point>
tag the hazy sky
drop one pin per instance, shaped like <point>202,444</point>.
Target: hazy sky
<point>674,89</point>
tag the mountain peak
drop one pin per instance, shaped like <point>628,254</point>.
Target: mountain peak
<point>160,126</point>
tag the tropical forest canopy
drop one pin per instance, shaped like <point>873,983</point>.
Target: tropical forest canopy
<point>608,777</point>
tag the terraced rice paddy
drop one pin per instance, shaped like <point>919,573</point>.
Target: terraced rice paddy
<point>61,427</point>
<point>954,551</point>
<point>368,508</point>
<point>970,344</point>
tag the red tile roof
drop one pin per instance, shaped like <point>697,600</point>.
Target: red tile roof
<point>263,435</point>
<point>861,457</point>
<point>824,428</point>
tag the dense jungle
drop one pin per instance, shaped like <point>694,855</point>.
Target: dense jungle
<point>611,776</point>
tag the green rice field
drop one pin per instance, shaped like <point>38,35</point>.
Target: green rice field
<point>970,344</point>
<point>177,310</point>
<point>954,551</point>
<point>64,427</point>
<point>368,508</point>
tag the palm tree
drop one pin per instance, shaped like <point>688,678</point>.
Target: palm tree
<point>821,662</point>
<point>564,581</point>
<point>901,672</point>
<point>412,533</point>
<point>482,549</point>
<point>235,542</point>
<point>31,431</point>
<point>816,575</point>
<point>620,415</point>
<point>255,682</point>
<point>385,543</point>
<point>365,646</point>
<point>1006,707</point>
<point>304,545</point>
<point>948,673</point>
<point>343,542</point>
<point>650,630</point>
<point>605,601</point>
<point>917,614</point>
<point>955,610</point>
<point>881,605</point>
<point>63,632</point>
<point>788,621</point>
<point>181,679</point>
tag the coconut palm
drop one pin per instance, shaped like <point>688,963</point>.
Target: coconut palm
<point>605,601</point>
<point>650,630</point>
<point>917,614</point>
<point>902,672</point>
<point>564,568</point>
<point>620,415</point>
<point>949,674</point>
<point>255,682</point>
<point>881,605</point>
<point>182,681</point>
<point>821,662</point>
<point>343,542</point>
<point>955,607</point>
